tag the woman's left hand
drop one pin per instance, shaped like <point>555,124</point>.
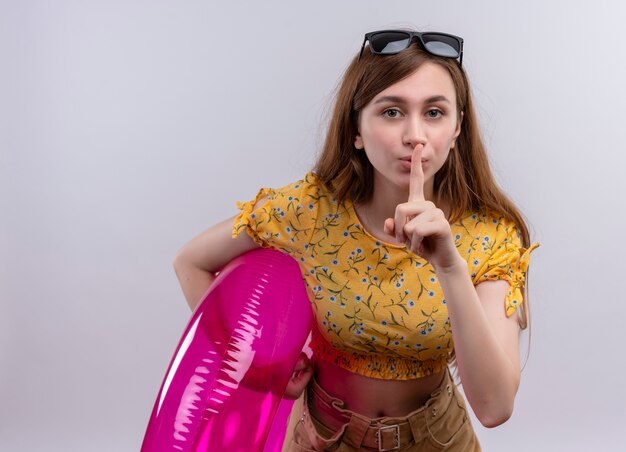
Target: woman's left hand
<point>426,231</point>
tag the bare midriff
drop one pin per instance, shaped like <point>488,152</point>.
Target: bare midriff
<point>372,397</point>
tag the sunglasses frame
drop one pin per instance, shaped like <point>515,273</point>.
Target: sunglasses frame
<point>412,35</point>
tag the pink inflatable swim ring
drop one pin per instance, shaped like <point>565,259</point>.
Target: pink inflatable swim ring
<point>226,379</point>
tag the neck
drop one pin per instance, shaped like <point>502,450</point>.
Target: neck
<point>384,202</point>
<point>385,199</point>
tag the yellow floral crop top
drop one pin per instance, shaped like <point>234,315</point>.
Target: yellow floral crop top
<point>380,311</point>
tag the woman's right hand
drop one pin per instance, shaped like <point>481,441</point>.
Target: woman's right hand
<point>301,376</point>
<point>421,225</point>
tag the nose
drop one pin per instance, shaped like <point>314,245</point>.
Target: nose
<point>414,132</point>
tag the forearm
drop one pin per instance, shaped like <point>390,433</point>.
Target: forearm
<point>197,262</point>
<point>193,281</point>
<point>489,373</point>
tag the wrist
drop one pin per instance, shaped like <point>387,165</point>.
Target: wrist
<point>458,267</point>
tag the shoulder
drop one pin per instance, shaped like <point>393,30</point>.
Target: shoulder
<point>492,245</point>
<point>282,217</point>
<point>484,236</point>
<point>308,194</point>
<point>309,185</point>
<point>485,223</point>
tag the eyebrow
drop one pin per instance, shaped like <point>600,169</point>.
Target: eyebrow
<point>401,100</point>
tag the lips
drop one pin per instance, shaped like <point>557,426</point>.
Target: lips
<point>406,162</point>
<point>409,159</point>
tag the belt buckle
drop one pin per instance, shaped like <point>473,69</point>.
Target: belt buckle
<point>396,439</point>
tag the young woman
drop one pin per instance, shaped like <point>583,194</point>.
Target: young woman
<point>412,257</point>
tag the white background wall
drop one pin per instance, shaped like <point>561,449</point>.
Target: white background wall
<point>127,127</point>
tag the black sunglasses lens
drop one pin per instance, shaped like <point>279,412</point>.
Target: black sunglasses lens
<point>442,45</point>
<point>389,42</point>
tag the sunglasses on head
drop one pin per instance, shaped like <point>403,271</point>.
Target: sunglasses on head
<point>390,42</point>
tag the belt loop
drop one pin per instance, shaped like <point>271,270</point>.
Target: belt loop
<point>418,426</point>
<point>355,430</point>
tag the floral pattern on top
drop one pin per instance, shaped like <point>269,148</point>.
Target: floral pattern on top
<point>380,311</point>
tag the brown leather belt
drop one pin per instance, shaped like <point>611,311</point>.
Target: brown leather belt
<point>392,434</point>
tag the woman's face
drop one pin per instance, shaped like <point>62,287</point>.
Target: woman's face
<point>418,109</point>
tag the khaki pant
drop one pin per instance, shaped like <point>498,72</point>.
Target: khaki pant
<point>441,424</point>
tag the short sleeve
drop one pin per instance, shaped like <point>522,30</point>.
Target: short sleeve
<point>506,259</point>
<point>282,218</point>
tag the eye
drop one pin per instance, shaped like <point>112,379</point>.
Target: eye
<point>391,113</point>
<point>434,113</point>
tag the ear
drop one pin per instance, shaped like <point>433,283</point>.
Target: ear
<point>358,142</point>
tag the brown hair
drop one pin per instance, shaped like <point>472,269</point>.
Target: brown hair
<point>465,181</point>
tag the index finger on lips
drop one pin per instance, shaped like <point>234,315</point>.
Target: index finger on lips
<point>416,185</point>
